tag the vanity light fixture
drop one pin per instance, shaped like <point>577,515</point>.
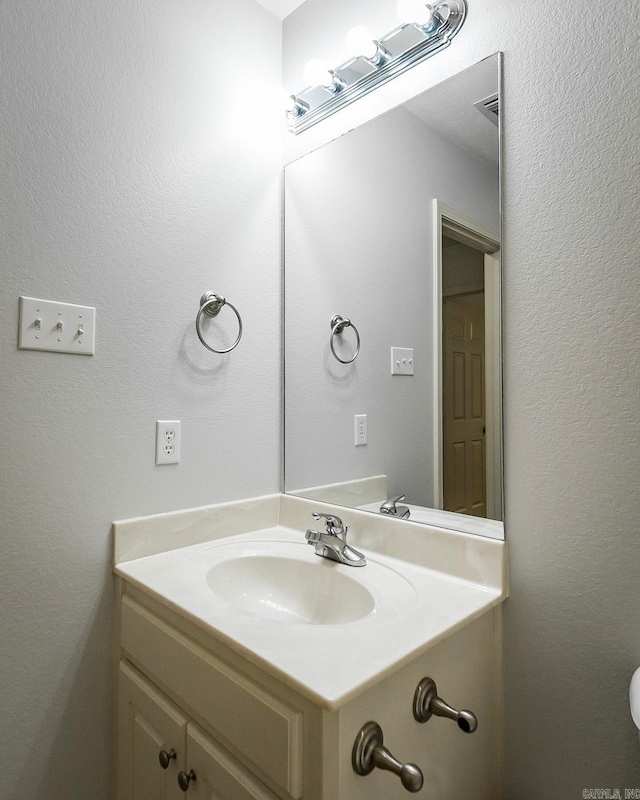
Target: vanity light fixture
<point>294,107</point>
<point>316,73</point>
<point>360,42</point>
<point>335,84</point>
<point>378,58</point>
<point>416,11</point>
<point>425,30</point>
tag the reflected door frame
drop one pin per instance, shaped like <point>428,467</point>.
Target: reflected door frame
<point>481,237</point>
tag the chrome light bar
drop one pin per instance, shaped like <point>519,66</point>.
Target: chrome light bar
<point>395,53</point>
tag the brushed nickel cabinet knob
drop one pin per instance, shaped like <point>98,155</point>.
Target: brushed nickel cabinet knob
<point>426,704</point>
<point>369,752</point>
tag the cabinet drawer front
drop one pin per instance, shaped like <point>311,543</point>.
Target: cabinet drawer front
<point>261,726</point>
<point>218,776</point>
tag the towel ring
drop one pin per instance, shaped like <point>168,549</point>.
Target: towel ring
<point>338,324</point>
<point>210,304</point>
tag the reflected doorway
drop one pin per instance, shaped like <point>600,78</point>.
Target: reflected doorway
<point>469,435</point>
<point>464,474</point>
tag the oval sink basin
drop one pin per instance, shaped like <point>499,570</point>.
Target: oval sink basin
<point>290,589</point>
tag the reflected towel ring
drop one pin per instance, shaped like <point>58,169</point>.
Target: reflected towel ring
<point>210,304</point>
<point>338,324</point>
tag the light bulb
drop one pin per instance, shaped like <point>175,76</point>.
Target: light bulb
<point>414,11</point>
<point>360,43</point>
<point>288,101</point>
<point>293,106</point>
<point>316,74</point>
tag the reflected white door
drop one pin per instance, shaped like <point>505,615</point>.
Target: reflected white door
<point>463,403</point>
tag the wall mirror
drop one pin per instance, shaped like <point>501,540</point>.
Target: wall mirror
<point>392,363</point>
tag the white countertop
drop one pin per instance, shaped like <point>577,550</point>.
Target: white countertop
<point>416,605</point>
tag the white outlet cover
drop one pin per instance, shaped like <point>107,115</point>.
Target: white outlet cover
<point>402,361</point>
<point>360,430</point>
<point>167,441</point>
<point>56,327</point>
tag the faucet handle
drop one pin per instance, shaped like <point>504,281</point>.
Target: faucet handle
<point>334,524</point>
<point>389,507</point>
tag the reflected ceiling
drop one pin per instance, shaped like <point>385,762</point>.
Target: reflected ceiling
<point>454,116</point>
<point>281,8</point>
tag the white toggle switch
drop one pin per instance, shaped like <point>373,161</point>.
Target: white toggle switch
<point>402,361</point>
<point>58,327</point>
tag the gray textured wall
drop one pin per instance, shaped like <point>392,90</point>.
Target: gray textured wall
<point>129,183</point>
<point>572,369</point>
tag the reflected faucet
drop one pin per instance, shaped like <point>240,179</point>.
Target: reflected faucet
<point>332,544</point>
<point>394,510</point>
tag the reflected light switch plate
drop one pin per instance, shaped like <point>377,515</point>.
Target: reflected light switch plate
<point>402,361</point>
<point>57,327</point>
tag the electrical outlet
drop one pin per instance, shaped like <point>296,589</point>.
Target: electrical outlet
<point>167,441</point>
<point>360,422</point>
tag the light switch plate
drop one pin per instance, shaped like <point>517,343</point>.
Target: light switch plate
<point>57,327</point>
<point>402,361</point>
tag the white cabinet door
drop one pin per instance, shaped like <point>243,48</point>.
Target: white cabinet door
<point>218,776</point>
<point>148,723</point>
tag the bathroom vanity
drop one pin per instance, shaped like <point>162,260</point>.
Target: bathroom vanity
<point>248,666</point>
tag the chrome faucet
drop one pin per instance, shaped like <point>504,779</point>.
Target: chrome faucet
<point>394,510</point>
<point>332,543</point>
